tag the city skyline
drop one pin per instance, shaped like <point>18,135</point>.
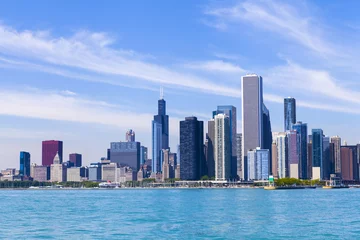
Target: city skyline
<point>87,104</point>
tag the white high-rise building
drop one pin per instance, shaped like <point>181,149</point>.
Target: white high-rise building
<point>258,167</point>
<point>337,152</point>
<point>57,170</point>
<point>252,116</point>
<point>282,154</point>
<point>222,149</point>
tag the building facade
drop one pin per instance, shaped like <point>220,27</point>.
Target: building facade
<point>143,154</point>
<point>346,163</point>
<point>317,153</point>
<point>252,116</point>
<point>267,133</point>
<point>192,160</point>
<point>258,167</point>
<point>282,154</point>
<point>73,174</point>
<point>301,129</point>
<point>289,113</point>
<point>336,140</point>
<point>58,170</point>
<point>39,173</point>
<point>160,135</point>
<point>95,172</point>
<point>222,153</point>
<point>239,153</point>
<point>293,153</point>
<point>24,164</point>
<point>126,154</point>
<point>49,150</point>
<point>230,111</point>
<point>76,159</point>
<point>130,136</point>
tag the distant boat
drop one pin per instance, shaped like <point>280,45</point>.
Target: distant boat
<point>285,187</point>
<point>335,183</point>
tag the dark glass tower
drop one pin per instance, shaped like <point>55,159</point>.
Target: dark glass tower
<point>317,149</point>
<point>193,165</point>
<point>301,129</point>
<point>289,113</point>
<point>76,159</point>
<point>160,135</point>
<point>24,164</point>
<point>267,134</point>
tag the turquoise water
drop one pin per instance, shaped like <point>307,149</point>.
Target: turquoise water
<point>180,214</point>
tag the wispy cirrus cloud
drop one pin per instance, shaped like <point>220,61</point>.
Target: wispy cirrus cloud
<point>277,17</point>
<point>216,66</point>
<point>92,52</point>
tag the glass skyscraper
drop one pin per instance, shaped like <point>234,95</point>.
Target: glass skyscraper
<point>160,135</point>
<point>156,147</point>
<point>192,166</point>
<point>267,133</point>
<point>317,153</point>
<point>301,129</point>
<point>24,164</point>
<point>252,116</point>
<point>258,167</point>
<point>289,113</point>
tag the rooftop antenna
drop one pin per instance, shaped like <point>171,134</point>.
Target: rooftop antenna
<point>161,93</point>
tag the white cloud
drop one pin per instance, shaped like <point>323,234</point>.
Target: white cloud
<point>279,18</point>
<point>68,92</point>
<point>216,66</point>
<point>91,52</point>
<point>320,83</point>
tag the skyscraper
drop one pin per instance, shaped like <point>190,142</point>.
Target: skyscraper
<point>293,154</point>
<point>192,160</point>
<point>317,153</point>
<point>160,134</point>
<point>282,154</point>
<point>252,116</point>
<point>274,159</point>
<point>49,150</point>
<point>230,111</point>
<point>143,154</point>
<point>156,147</point>
<point>258,167</point>
<point>58,170</point>
<point>126,154</point>
<point>301,129</point>
<point>24,164</point>
<point>130,136</point>
<point>210,158</point>
<point>239,153</point>
<point>326,159</point>
<point>346,163</point>
<point>289,113</point>
<point>222,147</point>
<point>337,153</point>
<point>267,134</point>
<point>76,159</point>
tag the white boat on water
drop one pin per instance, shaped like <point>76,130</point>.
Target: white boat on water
<point>109,185</point>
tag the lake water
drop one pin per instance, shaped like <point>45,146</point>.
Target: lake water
<point>180,214</point>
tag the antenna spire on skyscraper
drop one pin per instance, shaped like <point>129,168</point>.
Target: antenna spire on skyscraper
<point>161,93</point>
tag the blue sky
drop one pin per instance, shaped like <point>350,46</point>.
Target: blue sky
<point>85,71</point>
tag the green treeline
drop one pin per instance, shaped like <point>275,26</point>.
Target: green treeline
<point>294,181</point>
